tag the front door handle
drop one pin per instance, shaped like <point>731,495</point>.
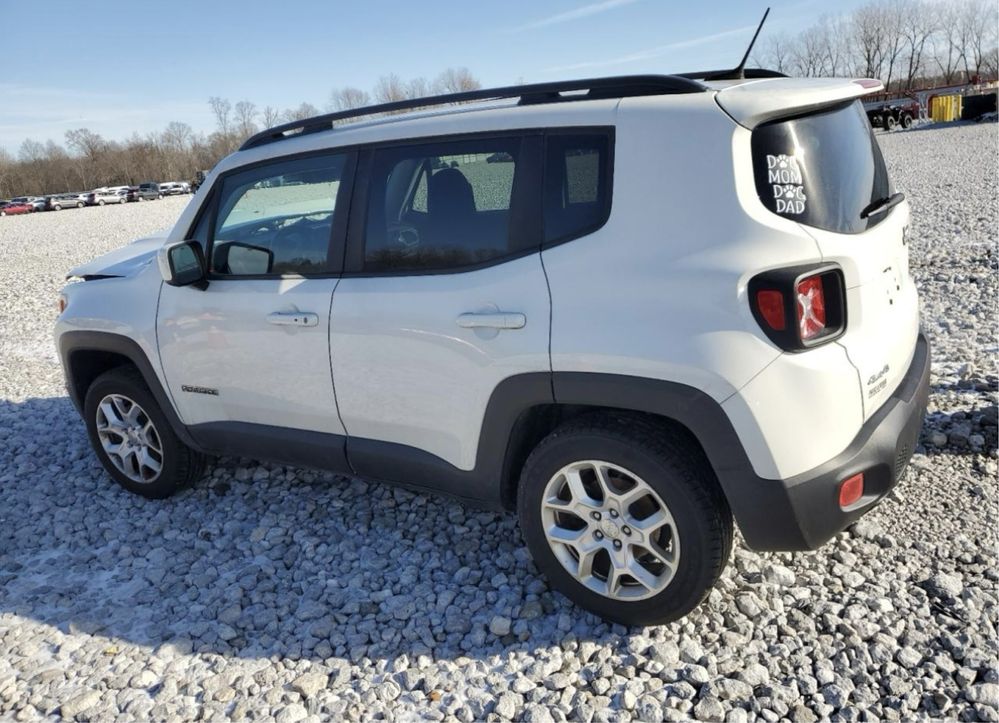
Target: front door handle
<point>293,318</point>
<point>493,320</point>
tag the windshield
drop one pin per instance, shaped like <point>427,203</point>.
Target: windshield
<point>821,169</point>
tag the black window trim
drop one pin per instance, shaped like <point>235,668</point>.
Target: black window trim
<point>608,179</point>
<point>338,229</point>
<point>346,254</point>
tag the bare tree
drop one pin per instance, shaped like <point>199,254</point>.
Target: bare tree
<point>390,88</point>
<point>947,50</point>
<point>305,110</point>
<point>271,116</point>
<point>246,113</point>
<point>975,31</point>
<point>775,53</point>
<point>348,98</point>
<point>918,26</point>
<point>808,55</point>
<point>868,39</point>
<point>222,109</point>
<point>456,80</point>
<point>418,88</point>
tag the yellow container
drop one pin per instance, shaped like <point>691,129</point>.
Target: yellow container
<point>945,108</point>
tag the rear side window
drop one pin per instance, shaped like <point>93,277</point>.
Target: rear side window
<point>821,169</point>
<point>277,218</point>
<point>440,206</point>
<point>577,185</point>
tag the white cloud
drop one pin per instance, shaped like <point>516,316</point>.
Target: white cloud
<point>649,53</point>
<point>580,12</point>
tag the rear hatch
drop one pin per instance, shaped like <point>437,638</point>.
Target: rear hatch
<point>822,167</point>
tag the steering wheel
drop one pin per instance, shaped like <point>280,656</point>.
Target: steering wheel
<point>404,234</point>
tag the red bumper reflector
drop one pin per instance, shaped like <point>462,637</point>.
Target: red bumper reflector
<point>851,490</point>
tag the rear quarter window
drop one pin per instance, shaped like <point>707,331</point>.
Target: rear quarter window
<point>821,169</point>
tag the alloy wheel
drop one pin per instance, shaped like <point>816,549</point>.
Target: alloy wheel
<point>610,530</point>
<point>129,438</point>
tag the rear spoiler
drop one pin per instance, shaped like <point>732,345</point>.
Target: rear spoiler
<point>758,101</point>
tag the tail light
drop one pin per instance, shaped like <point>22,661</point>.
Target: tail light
<point>812,296</point>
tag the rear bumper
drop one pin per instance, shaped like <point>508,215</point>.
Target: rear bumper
<point>803,512</point>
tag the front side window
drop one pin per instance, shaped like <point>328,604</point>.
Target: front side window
<point>278,218</point>
<point>821,169</point>
<point>440,205</point>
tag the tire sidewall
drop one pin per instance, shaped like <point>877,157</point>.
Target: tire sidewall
<point>170,478</point>
<point>695,571</point>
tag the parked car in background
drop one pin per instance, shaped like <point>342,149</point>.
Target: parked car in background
<point>149,191</point>
<point>14,207</point>
<point>66,200</point>
<point>174,188</point>
<point>37,203</point>
<point>104,196</point>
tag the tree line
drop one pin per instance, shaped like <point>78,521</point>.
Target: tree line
<point>907,44</point>
<point>87,160</point>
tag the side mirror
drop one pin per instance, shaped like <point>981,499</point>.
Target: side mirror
<point>183,264</point>
<point>240,259</point>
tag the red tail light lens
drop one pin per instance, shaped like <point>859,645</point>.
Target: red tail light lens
<point>851,490</point>
<point>770,303</point>
<point>811,304</point>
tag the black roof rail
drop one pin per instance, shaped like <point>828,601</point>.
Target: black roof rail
<point>748,74</point>
<point>615,87</point>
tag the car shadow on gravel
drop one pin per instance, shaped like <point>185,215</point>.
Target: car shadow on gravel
<point>261,561</point>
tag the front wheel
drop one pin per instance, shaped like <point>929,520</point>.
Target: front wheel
<point>890,123</point>
<point>79,204</point>
<point>625,519</point>
<point>100,203</point>
<point>133,439</point>
<point>907,121</point>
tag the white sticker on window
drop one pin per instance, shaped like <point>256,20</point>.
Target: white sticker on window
<point>785,178</point>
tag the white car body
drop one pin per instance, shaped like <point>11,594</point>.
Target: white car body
<point>659,292</point>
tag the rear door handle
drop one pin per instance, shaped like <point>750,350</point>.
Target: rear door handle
<point>493,320</point>
<point>293,318</point>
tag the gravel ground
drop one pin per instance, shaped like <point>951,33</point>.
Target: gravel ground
<point>267,591</point>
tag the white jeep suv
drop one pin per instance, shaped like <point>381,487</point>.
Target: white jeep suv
<point>629,308</point>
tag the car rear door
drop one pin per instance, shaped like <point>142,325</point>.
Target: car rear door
<point>443,297</point>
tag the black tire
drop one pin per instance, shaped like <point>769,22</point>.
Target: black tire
<point>101,202</point>
<point>181,465</point>
<point>906,120</point>
<point>890,123</point>
<point>79,204</point>
<point>679,474</point>
<point>57,207</point>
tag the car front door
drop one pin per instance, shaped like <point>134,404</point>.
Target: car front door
<point>442,299</point>
<point>247,358</point>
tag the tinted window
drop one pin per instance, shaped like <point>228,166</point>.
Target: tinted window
<point>821,169</point>
<point>440,205</point>
<point>277,219</point>
<point>577,197</point>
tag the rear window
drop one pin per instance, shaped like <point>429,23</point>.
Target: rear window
<point>821,169</point>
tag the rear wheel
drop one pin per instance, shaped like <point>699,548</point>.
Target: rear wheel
<point>133,439</point>
<point>101,202</point>
<point>906,121</point>
<point>57,207</point>
<point>79,204</point>
<point>624,519</point>
<point>890,123</point>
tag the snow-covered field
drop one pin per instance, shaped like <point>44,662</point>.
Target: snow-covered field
<point>268,591</point>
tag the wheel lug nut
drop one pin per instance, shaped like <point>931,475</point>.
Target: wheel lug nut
<point>599,535</point>
<point>617,544</point>
<point>613,513</point>
<point>595,515</point>
<point>626,530</point>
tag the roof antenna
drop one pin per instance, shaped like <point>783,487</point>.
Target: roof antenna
<point>737,72</point>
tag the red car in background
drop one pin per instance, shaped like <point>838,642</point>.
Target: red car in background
<point>12,209</point>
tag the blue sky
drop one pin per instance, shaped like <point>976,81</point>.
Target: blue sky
<point>119,68</point>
